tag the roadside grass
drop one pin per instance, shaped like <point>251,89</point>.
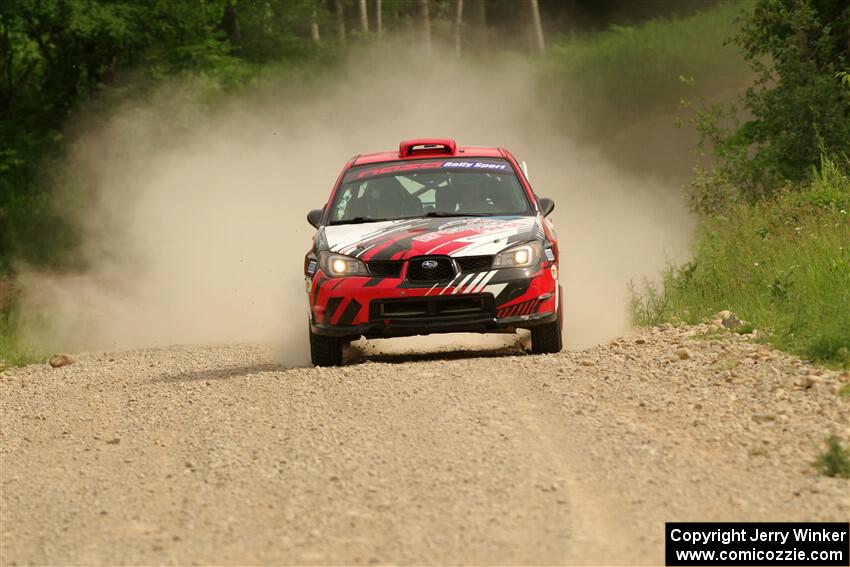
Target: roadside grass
<point>745,329</point>
<point>835,460</point>
<point>781,265</point>
<point>711,336</point>
<point>14,350</point>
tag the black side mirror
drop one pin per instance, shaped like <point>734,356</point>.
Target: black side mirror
<point>314,217</point>
<point>546,206</point>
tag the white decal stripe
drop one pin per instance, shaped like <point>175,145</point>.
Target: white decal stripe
<point>364,250</point>
<point>381,234</point>
<point>343,236</point>
<point>350,235</point>
<point>449,284</point>
<point>430,290</point>
<point>346,237</point>
<point>495,289</point>
<point>461,284</point>
<point>431,251</point>
<point>474,282</point>
<point>486,238</point>
<point>484,282</point>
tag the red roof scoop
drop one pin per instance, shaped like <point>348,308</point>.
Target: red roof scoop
<point>421,146</point>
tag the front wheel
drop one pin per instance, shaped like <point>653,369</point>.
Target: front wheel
<point>546,338</point>
<point>325,351</point>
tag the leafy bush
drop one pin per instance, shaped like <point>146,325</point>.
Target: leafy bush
<point>797,109</point>
<point>835,461</point>
<point>648,304</point>
<point>13,350</point>
<point>781,264</point>
<point>59,57</point>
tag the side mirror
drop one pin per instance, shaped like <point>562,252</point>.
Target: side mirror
<point>546,206</point>
<point>314,217</point>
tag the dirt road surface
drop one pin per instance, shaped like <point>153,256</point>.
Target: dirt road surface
<point>215,454</point>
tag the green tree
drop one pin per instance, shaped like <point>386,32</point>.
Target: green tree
<point>796,109</point>
<point>55,53</point>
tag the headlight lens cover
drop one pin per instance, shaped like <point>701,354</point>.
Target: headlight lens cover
<point>337,265</point>
<point>521,256</point>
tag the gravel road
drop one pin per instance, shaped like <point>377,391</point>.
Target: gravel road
<point>215,454</point>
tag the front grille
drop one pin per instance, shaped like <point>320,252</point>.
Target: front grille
<point>386,269</point>
<point>443,270</point>
<point>431,307</point>
<point>474,263</point>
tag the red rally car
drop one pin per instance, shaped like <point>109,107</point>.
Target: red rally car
<point>433,238</point>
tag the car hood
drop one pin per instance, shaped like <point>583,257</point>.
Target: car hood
<point>452,236</point>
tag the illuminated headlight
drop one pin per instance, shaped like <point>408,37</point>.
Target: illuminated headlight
<point>519,256</point>
<point>337,265</point>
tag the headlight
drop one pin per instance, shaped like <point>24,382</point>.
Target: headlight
<point>337,265</point>
<point>521,256</point>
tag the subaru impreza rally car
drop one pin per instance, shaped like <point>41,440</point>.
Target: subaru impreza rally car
<point>433,238</point>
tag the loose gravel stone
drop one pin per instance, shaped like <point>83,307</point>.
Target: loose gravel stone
<point>684,354</point>
<point>60,360</point>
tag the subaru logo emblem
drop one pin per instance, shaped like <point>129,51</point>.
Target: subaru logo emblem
<point>429,264</point>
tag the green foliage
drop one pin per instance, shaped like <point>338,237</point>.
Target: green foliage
<point>781,264</point>
<point>13,350</point>
<point>609,80</point>
<point>797,109</point>
<point>648,304</point>
<point>57,56</point>
<point>745,329</point>
<point>835,461</point>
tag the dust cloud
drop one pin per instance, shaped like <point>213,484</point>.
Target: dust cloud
<point>196,229</point>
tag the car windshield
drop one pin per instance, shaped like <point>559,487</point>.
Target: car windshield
<point>440,187</point>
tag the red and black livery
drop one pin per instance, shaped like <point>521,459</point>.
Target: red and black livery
<point>432,239</point>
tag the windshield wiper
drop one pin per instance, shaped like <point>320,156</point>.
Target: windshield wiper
<point>445,214</point>
<point>358,220</point>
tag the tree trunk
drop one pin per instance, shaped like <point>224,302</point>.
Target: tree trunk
<point>425,16</point>
<point>364,17</point>
<point>230,23</point>
<point>458,25</point>
<point>268,19</point>
<point>475,23</point>
<point>6,101</point>
<point>379,20</point>
<point>476,12</point>
<point>537,27</point>
<point>340,20</point>
<point>314,28</point>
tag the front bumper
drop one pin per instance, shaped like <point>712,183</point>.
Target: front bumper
<point>465,323</point>
<point>392,307</point>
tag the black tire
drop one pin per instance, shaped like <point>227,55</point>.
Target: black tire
<point>325,351</point>
<point>546,338</point>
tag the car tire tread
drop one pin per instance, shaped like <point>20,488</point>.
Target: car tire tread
<point>325,351</point>
<point>546,338</point>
